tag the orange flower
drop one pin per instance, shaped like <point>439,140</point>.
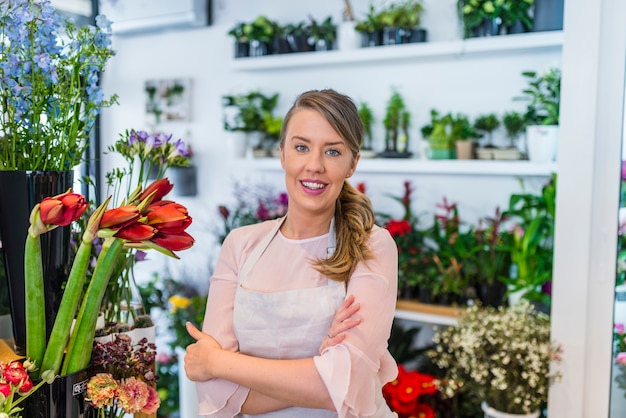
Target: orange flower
<point>136,232</point>
<point>173,242</point>
<point>159,187</point>
<point>120,217</point>
<point>169,218</point>
<point>62,209</point>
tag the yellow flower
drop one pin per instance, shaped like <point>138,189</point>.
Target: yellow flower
<point>178,302</point>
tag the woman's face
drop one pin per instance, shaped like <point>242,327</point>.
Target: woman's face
<point>316,161</point>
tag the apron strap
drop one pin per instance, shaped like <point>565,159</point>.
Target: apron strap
<point>258,251</point>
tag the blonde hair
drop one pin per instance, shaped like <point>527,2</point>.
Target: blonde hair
<point>354,215</point>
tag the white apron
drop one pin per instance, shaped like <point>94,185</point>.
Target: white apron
<point>287,325</point>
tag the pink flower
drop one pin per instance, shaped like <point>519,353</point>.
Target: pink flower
<point>621,359</point>
<point>619,328</point>
<point>153,402</point>
<point>132,395</point>
<point>5,390</point>
<point>101,390</point>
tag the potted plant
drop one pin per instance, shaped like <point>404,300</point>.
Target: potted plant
<point>247,114</point>
<point>370,28</point>
<point>242,41</point>
<point>514,125</point>
<point>347,35</point>
<point>516,15</point>
<point>437,133</point>
<point>478,18</point>
<point>542,113</point>
<point>298,35</point>
<point>504,355</point>
<point>401,23</point>
<point>256,37</point>
<point>367,117</point>
<point>323,34</point>
<point>396,123</point>
<point>463,135</point>
<point>486,124</point>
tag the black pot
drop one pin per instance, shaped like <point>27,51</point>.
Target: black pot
<point>185,180</point>
<point>300,43</point>
<point>242,49</point>
<point>258,48</point>
<point>413,35</point>
<point>369,39</point>
<point>63,398</point>
<point>281,46</point>
<point>392,36</point>
<point>548,15</point>
<point>491,294</point>
<point>489,27</point>
<point>20,191</point>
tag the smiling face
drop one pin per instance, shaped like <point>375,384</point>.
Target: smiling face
<point>316,161</point>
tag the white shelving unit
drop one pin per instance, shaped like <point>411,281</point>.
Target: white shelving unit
<point>427,50</point>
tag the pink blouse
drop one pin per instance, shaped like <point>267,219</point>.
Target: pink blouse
<point>354,370</point>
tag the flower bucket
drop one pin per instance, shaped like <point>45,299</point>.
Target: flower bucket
<point>61,399</point>
<point>493,413</point>
<point>20,191</point>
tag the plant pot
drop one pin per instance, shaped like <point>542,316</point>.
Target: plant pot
<point>369,39</point>
<point>61,399</point>
<point>20,191</point>
<point>347,37</point>
<point>492,294</point>
<point>185,180</point>
<point>465,149</point>
<point>542,142</point>
<point>493,413</point>
<point>548,15</point>
<point>242,49</point>
<point>442,154</point>
<point>415,35</point>
<point>299,43</point>
<point>392,36</point>
<point>485,153</point>
<point>489,27</point>
<point>506,154</point>
<point>281,46</point>
<point>259,48</point>
<point>136,334</point>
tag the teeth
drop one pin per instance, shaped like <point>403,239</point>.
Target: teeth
<point>314,186</point>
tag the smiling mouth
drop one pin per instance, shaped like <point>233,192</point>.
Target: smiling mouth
<point>313,185</point>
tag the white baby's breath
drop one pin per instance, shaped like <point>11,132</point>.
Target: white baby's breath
<point>504,354</point>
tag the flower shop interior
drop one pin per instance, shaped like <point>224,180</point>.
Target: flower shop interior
<point>178,70</point>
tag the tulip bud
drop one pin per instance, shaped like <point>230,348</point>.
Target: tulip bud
<point>159,187</point>
<point>48,376</point>
<point>62,209</point>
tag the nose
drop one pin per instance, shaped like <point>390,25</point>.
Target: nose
<point>315,162</point>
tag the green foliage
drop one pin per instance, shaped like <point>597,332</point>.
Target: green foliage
<point>444,130</point>
<point>367,117</point>
<point>487,123</point>
<point>514,124</point>
<point>261,29</point>
<point>396,115</point>
<point>326,30</point>
<point>251,112</point>
<point>405,14</point>
<point>473,13</point>
<point>544,93</point>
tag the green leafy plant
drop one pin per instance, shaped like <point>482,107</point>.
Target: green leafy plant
<point>544,93</point>
<point>444,130</point>
<point>396,115</point>
<point>514,125</point>
<point>248,112</point>
<point>367,117</point>
<point>49,97</point>
<point>372,22</point>
<point>487,124</point>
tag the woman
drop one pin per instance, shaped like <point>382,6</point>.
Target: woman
<point>280,336</point>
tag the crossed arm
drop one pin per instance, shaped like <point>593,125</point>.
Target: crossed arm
<point>274,384</point>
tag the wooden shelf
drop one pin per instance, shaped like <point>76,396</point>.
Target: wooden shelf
<point>415,51</point>
<point>431,314</point>
<point>439,167</point>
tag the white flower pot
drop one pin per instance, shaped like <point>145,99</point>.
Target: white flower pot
<point>187,389</point>
<point>347,37</point>
<point>493,413</point>
<point>542,142</point>
<point>149,333</point>
<point>238,142</point>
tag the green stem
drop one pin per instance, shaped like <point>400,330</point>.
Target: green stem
<point>67,310</point>
<point>34,300</point>
<point>81,342</point>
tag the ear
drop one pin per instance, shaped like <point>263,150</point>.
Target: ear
<point>355,162</point>
<point>282,156</point>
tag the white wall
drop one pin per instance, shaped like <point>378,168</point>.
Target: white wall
<point>473,85</point>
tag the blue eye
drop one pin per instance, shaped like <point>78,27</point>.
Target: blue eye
<point>333,152</point>
<point>301,147</point>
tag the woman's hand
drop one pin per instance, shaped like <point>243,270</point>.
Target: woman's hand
<point>198,357</point>
<point>342,322</point>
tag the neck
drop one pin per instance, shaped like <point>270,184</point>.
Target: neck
<point>302,227</point>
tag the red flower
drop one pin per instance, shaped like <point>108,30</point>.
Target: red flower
<point>361,187</point>
<point>136,232</point>
<point>62,209</point>
<point>5,390</point>
<point>398,228</point>
<point>170,218</point>
<point>224,212</point>
<point>15,373</point>
<point>159,187</point>
<point>26,386</point>
<point>173,242</point>
<point>119,217</point>
<point>422,411</point>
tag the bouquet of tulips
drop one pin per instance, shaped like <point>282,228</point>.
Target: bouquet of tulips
<point>143,221</point>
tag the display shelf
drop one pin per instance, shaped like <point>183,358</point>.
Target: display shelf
<point>426,313</point>
<point>439,167</point>
<point>415,51</point>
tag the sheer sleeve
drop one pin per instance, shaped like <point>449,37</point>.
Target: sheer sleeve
<point>218,397</point>
<point>355,370</point>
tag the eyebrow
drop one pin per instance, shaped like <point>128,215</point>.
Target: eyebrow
<point>301,138</point>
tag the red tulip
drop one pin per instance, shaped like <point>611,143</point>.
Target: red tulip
<point>398,228</point>
<point>159,187</point>
<point>136,232</point>
<point>119,217</point>
<point>62,209</point>
<point>173,242</point>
